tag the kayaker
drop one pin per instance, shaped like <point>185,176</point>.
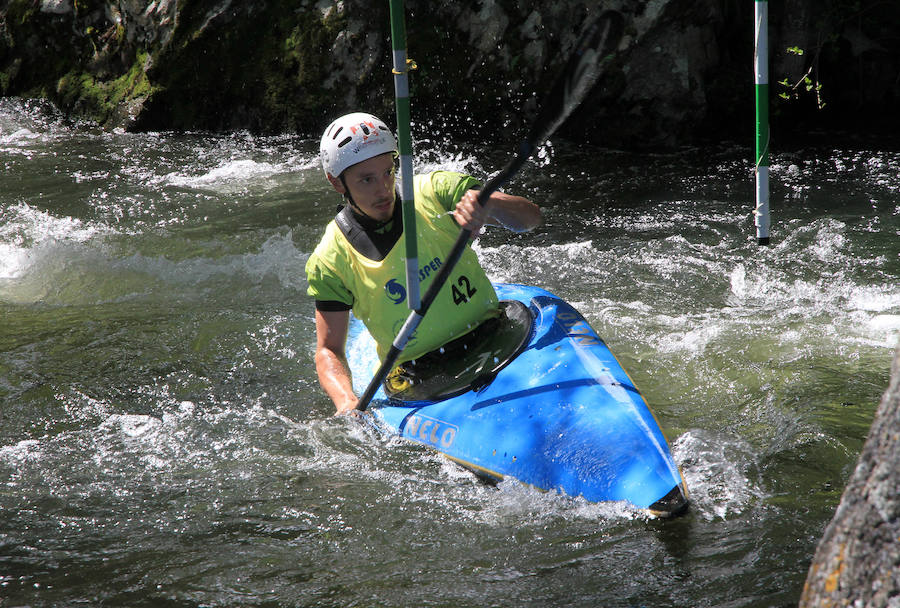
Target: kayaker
<point>359,264</point>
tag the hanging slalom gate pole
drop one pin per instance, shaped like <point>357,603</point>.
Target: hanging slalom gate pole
<point>404,140</point>
<point>761,64</point>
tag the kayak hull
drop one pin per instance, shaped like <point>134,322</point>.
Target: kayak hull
<point>562,416</point>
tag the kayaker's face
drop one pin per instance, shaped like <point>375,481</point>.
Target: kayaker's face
<point>371,185</point>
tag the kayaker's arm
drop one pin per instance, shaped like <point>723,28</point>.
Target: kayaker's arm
<point>512,212</point>
<point>331,360</point>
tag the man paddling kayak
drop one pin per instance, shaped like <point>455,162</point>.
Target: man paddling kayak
<point>359,266</point>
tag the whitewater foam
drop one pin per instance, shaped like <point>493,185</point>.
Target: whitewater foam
<point>237,175</point>
<point>29,237</point>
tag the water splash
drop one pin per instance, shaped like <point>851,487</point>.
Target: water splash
<point>718,471</point>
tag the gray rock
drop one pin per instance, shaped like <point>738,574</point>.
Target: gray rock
<point>857,562</point>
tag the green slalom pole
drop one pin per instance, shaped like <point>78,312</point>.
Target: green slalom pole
<point>761,64</point>
<point>404,139</point>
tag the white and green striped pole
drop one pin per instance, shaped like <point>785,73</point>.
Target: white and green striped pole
<point>404,140</point>
<point>761,62</point>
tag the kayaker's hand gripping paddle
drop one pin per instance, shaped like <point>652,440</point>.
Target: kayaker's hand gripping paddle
<point>596,44</point>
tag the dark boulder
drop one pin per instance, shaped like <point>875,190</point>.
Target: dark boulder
<point>683,73</point>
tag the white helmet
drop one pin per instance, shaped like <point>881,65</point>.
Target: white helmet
<point>353,138</point>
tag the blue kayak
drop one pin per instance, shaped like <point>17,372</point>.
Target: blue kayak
<point>537,397</point>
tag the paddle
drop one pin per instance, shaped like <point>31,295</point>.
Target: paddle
<point>580,73</point>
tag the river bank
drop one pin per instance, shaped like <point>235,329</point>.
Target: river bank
<point>683,73</point>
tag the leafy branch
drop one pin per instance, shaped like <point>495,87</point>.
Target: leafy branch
<point>806,82</point>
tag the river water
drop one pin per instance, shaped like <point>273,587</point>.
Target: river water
<point>164,442</point>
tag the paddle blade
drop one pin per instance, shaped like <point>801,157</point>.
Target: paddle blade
<point>594,48</point>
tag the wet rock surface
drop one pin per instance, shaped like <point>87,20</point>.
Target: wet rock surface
<point>683,73</point>
<point>858,559</point>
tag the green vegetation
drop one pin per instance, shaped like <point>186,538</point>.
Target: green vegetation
<point>842,36</point>
<point>791,91</point>
<point>105,100</point>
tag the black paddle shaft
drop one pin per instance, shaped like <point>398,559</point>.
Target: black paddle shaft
<point>598,41</point>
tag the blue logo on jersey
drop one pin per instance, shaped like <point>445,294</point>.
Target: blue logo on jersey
<point>395,291</point>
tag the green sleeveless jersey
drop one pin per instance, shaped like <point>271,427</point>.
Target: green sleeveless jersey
<point>376,290</point>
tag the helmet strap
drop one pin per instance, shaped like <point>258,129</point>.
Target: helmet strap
<point>347,196</point>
